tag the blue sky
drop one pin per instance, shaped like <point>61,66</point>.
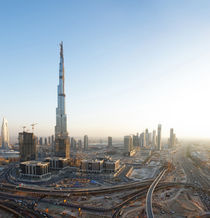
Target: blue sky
<point>129,65</point>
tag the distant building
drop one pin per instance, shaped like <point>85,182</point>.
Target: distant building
<point>154,143</point>
<point>142,139</point>
<point>150,138</point>
<point>109,141</point>
<point>5,134</point>
<point>73,143</point>
<point>34,170</point>
<point>45,141</point>
<point>159,143</point>
<point>79,143</point>
<point>128,144</point>
<point>49,140</point>
<point>40,141</point>
<point>85,142</point>
<point>146,137</point>
<point>136,140</point>
<point>27,146</point>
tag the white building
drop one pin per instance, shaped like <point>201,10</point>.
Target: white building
<point>5,134</point>
<point>154,143</point>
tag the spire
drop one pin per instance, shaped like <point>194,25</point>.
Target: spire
<point>61,49</point>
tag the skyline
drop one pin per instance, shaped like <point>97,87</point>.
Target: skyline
<point>135,66</point>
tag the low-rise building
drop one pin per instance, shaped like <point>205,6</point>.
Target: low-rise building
<point>57,163</point>
<point>34,170</point>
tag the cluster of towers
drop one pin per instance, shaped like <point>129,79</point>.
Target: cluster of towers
<point>148,139</point>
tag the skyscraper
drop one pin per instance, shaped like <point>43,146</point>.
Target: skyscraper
<point>172,138</point>
<point>159,137</point>
<point>154,139</point>
<point>142,139</point>
<point>62,144</point>
<point>109,141</point>
<point>147,137</point>
<point>27,146</point>
<point>5,134</point>
<point>85,142</point>
<point>128,144</point>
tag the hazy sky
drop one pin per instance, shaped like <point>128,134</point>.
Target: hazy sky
<point>129,65</point>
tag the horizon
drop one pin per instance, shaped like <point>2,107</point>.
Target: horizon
<point>128,66</point>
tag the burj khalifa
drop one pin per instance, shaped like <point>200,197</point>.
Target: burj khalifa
<point>62,145</point>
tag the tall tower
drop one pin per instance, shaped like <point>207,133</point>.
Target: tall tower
<point>172,139</point>
<point>159,137</point>
<point>5,134</point>
<point>62,145</point>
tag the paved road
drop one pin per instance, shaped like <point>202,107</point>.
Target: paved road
<point>150,192</point>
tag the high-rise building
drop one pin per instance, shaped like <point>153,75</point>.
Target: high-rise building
<point>109,141</point>
<point>73,143</point>
<point>136,140</point>
<point>40,141</point>
<point>62,143</point>
<point>5,134</point>
<point>159,137</point>
<point>172,138</point>
<point>79,143</point>
<point>128,143</point>
<point>85,142</point>
<point>154,139</point>
<point>142,139</point>
<point>146,137</point>
<point>27,146</point>
<point>45,141</point>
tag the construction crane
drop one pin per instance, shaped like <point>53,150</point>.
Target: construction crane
<point>33,124</point>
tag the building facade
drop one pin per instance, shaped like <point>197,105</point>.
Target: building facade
<point>27,146</point>
<point>33,170</point>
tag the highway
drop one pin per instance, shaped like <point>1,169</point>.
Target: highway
<point>150,192</point>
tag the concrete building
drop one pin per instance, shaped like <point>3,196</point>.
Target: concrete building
<point>45,141</point>
<point>85,142</point>
<point>57,163</point>
<point>34,170</point>
<point>109,141</point>
<point>99,166</point>
<point>159,143</point>
<point>62,143</point>
<point>27,146</point>
<point>110,166</point>
<point>154,142</point>
<point>91,166</point>
<point>4,134</point>
<point>142,140</point>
